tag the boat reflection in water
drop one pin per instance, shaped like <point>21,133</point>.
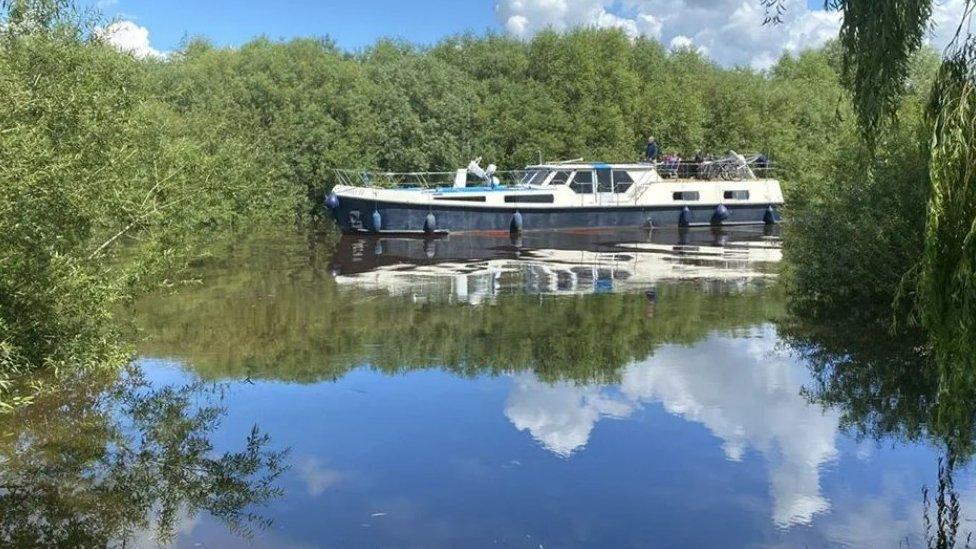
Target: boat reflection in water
<point>662,398</point>
<point>472,267</point>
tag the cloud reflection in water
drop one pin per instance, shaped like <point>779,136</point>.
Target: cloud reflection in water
<point>741,390</point>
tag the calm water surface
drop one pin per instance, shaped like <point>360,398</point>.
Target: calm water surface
<point>597,390</point>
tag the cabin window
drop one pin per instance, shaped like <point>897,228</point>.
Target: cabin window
<point>604,184</point>
<point>534,177</point>
<point>737,195</point>
<point>686,195</point>
<point>547,198</point>
<point>621,181</point>
<point>461,198</point>
<point>582,182</point>
<point>560,178</point>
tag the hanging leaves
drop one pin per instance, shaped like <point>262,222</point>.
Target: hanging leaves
<point>774,11</point>
<point>947,269</point>
<point>879,39</point>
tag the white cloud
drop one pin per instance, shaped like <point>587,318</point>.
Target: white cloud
<point>680,42</point>
<point>183,525</point>
<point>648,25</point>
<point>560,416</point>
<point>755,404</point>
<point>887,520</point>
<point>730,31</point>
<point>316,476</point>
<point>130,38</point>
<point>946,16</point>
<point>517,25</point>
<point>523,18</point>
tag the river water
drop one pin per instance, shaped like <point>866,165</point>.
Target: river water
<point>600,390</point>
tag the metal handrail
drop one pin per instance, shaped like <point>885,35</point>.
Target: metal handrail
<point>361,178</point>
<point>718,169</point>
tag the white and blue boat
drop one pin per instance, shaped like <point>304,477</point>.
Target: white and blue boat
<point>556,196</point>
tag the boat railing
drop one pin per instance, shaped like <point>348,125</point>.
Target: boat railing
<point>422,180</point>
<point>726,168</point>
<point>706,171</point>
<point>714,169</point>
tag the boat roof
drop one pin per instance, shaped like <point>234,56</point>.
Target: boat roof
<point>591,166</point>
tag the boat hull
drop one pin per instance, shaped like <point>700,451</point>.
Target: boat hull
<point>356,215</point>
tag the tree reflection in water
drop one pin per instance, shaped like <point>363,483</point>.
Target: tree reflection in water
<point>270,310</point>
<point>889,387</point>
<point>102,464</point>
<point>273,312</point>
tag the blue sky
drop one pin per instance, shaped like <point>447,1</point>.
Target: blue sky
<point>729,31</point>
<point>352,24</point>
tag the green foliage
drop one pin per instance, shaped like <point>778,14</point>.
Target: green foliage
<point>426,108</point>
<point>853,235</point>
<point>878,41</point>
<point>103,190</point>
<point>884,385</point>
<point>889,386</point>
<point>947,269</point>
<point>297,109</point>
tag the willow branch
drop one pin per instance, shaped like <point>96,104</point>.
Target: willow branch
<point>115,237</point>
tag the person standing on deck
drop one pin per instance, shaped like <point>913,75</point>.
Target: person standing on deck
<point>697,163</point>
<point>651,151</point>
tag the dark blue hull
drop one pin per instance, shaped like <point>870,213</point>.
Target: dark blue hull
<point>358,215</point>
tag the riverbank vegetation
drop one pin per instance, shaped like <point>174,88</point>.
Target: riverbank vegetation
<point>114,169</point>
<point>117,173</point>
<point>104,189</point>
<point>904,207</point>
<point>932,250</point>
<point>854,234</point>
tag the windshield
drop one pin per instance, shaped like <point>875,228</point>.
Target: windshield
<point>533,177</point>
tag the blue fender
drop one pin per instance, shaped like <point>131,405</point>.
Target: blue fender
<point>332,201</point>
<point>377,221</point>
<point>771,216</point>
<point>721,214</point>
<point>516,225</point>
<point>430,223</point>
<point>686,218</point>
